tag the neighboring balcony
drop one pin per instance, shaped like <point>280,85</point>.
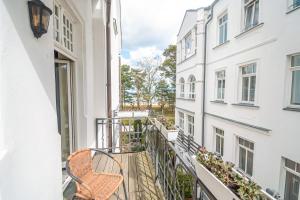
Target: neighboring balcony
<point>157,167</point>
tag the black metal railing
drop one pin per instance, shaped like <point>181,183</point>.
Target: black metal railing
<point>174,170</point>
<point>174,173</point>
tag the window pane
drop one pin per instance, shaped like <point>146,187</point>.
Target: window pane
<point>249,163</point>
<point>296,87</point>
<point>245,87</point>
<point>252,88</point>
<point>298,168</point>
<point>256,13</point>
<point>249,16</point>
<point>296,59</point>
<point>218,144</point>
<point>222,147</point>
<point>290,164</point>
<point>242,159</point>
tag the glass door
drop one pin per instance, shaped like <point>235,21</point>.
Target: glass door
<point>64,109</point>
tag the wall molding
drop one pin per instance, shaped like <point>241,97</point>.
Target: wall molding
<point>266,130</point>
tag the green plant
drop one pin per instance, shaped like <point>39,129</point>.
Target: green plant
<point>185,183</point>
<point>245,189</point>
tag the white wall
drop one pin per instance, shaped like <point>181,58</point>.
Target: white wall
<point>30,149</point>
<point>31,168</point>
<point>268,45</point>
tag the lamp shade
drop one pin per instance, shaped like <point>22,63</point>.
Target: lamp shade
<point>39,17</point>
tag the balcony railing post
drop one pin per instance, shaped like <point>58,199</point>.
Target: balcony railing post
<point>97,134</point>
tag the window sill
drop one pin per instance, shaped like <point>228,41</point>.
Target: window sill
<point>245,105</point>
<point>292,10</point>
<point>219,102</point>
<point>187,99</point>
<point>292,109</point>
<point>220,45</point>
<point>249,30</point>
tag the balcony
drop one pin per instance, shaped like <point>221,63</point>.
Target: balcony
<point>154,166</point>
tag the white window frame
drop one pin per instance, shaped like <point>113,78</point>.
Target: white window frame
<point>223,26</point>
<point>247,4</point>
<point>66,41</point>
<point>247,149</point>
<point>182,88</point>
<point>249,76</point>
<point>192,87</point>
<point>181,120</point>
<point>291,71</point>
<point>191,125</point>
<point>188,39</point>
<point>283,175</point>
<point>222,79</point>
<point>293,4</point>
<point>217,133</point>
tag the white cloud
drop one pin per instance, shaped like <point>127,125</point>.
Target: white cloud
<point>149,23</point>
<point>140,53</point>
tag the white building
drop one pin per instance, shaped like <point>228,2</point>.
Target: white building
<point>52,90</point>
<point>189,77</point>
<point>252,92</point>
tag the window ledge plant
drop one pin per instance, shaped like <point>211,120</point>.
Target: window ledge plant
<point>240,185</point>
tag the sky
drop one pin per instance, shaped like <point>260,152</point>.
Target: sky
<point>149,26</point>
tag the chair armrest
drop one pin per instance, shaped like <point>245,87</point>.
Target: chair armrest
<point>78,180</point>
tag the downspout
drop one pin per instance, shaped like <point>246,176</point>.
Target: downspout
<point>108,84</point>
<point>204,70</point>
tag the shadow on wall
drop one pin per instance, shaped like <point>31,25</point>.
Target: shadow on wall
<point>40,51</point>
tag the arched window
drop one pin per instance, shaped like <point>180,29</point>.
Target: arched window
<point>181,83</point>
<point>192,85</point>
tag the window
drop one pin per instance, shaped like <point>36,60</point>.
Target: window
<point>181,120</point>
<point>223,29</point>
<point>295,85</point>
<point>192,85</point>
<point>191,125</point>
<point>292,180</point>
<point>293,4</point>
<point>67,33</point>
<point>248,80</point>
<point>63,28</point>
<point>181,88</point>
<point>251,10</point>
<point>220,85</point>
<point>219,141</point>
<point>56,22</point>
<point>246,150</point>
<point>188,44</point>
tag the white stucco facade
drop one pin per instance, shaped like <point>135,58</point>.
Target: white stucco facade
<point>265,117</point>
<point>190,64</point>
<point>30,145</point>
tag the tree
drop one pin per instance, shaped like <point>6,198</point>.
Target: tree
<point>168,72</point>
<point>138,78</point>
<point>126,84</point>
<point>162,93</point>
<point>150,67</point>
<point>168,67</point>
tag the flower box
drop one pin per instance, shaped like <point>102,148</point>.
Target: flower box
<point>170,135</point>
<point>213,184</point>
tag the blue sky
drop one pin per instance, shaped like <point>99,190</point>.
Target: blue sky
<point>149,26</point>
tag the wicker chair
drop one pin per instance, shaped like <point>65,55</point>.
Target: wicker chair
<point>91,185</point>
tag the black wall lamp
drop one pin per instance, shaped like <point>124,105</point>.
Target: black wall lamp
<point>39,17</point>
